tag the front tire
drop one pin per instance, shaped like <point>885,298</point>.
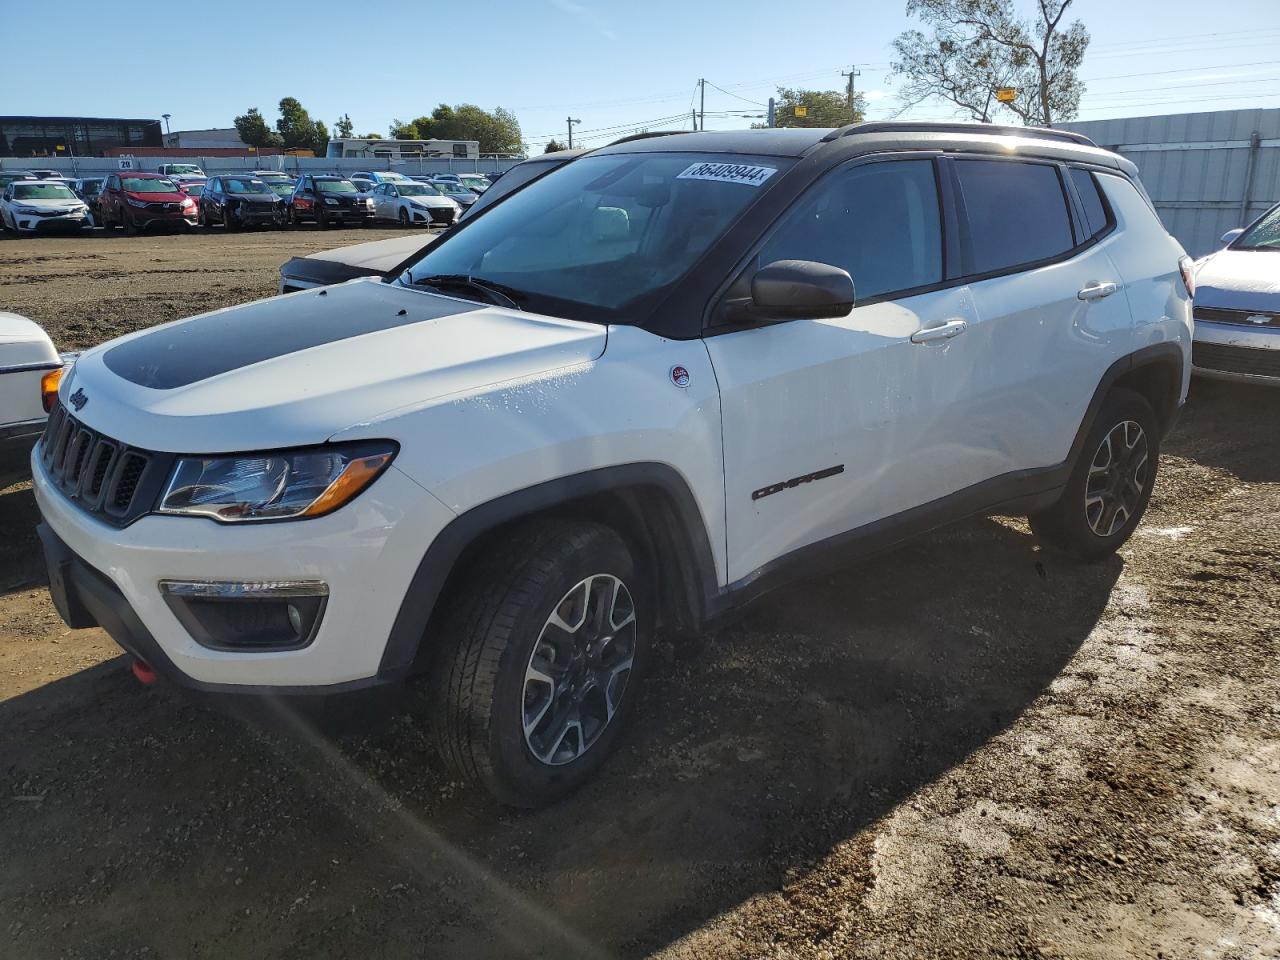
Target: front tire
<point>1110,484</point>
<point>404,217</point>
<point>546,643</point>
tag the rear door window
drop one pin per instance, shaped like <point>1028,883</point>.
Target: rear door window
<point>1015,211</point>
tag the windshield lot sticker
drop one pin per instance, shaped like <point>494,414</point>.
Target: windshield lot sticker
<point>728,173</point>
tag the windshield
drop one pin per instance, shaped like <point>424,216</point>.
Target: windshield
<point>181,169</point>
<point>417,190</point>
<point>448,186</point>
<point>603,232</point>
<point>147,185</point>
<point>336,186</point>
<point>41,191</point>
<point>244,185</point>
<point>1263,235</point>
<point>282,188</point>
<point>91,188</point>
<point>193,189</point>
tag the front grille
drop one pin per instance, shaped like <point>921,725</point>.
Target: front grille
<point>440,214</point>
<point>259,206</point>
<point>1245,318</point>
<point>1215,356</point>
<point>105,478</point>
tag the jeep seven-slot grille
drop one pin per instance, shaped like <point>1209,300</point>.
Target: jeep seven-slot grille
<point>105,478</point>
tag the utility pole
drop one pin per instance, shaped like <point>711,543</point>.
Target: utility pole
<point>571,122</point>
<point>702,104</point>
<point>694,116</point>
<point>853,72</point>
<point>772,115</point>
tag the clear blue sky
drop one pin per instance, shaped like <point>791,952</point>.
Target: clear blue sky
<point>617,66</point>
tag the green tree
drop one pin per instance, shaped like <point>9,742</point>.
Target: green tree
<point>977,47</point>
<point>344,129</point>
<point>400,130</point>
<point>254,131</point>
<point>822,108</point>
<point>497,131</point>
<point>297,130</point>
<point>553,145</point>
<point>372,136</point>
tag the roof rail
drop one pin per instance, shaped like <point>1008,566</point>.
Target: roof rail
<point>647,135</point>
<point>908,126</point>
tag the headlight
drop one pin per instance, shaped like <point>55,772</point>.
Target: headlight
<point>331,201</point>
<point>135,203</point>
<point>276,485</point>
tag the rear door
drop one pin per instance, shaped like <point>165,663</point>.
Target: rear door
<point>831,425</point>
<point>1054,314</point>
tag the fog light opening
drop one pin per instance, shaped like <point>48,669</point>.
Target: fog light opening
<point>295,620</point>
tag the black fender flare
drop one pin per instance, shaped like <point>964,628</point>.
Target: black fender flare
<point>689,546</point>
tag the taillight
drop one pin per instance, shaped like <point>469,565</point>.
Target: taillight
<point>49,388</point>
<point>1187,268</point>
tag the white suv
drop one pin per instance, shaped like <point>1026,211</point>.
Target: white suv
<point>632,395</point>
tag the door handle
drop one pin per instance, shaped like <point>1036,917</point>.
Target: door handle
<point>945,331</point>
<point>1098,290</point>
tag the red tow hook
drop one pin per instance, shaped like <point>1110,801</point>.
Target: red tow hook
<point>142,670</point>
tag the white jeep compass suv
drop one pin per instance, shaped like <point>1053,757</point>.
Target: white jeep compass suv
<point>633,394</point>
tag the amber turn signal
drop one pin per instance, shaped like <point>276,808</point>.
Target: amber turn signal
<point>358,475</point>
<point>49,388</point>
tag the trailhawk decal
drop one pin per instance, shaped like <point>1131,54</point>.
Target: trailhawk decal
<point>728,173</point>
<point>796,481</point>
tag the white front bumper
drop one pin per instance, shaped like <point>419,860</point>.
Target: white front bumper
<point>1238,336</point>
<point>366,552</point>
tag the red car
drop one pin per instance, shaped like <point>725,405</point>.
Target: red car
<point>138,201</point>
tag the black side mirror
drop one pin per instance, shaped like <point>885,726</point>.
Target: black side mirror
<point>800,289</point>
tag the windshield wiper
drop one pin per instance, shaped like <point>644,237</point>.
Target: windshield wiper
<point>497,293</point>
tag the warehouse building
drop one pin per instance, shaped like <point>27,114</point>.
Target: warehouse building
<point>1206,172</point>
<point>74,136</point>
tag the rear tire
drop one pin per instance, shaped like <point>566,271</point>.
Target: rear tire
<point>1110,484</point>
<point>523,706</point>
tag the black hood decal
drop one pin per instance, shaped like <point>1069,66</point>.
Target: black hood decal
<point>185,353</point>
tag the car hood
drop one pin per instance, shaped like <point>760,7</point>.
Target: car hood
<point>46,203</point>
<point>266,195</point>
<point>430,201</point>
<point>297,369</point>
<point>22,341</point>
<point>1239,280</point>
<point>176,197</point>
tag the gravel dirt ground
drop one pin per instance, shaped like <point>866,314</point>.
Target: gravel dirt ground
<point>969,747</point>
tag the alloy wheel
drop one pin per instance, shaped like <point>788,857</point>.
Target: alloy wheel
<point>1118,477</point>
<point>578,671</point>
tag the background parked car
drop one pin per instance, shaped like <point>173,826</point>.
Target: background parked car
<point>182,171</point>
<point>379,176</point>
<point>1237,305</point>
<point>282,187</point>
<point>240,201</point>
<point>474,182</point>
<point>139,201</point>
<point>42,174</point>
<point>329,199</point>
<point>88,189</point>
<point>414,203</point>
<point>455,191</point>
<point>193,188</point>
<point>27,357</point>
<point>8,176</point>
<point>363,185</point>
<point>41,206</point>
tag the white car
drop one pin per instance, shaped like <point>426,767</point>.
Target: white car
<point>180,172</point>
<point>649,386</point>
<point>380,176</point>
<point>28,365</point>
<point>1237,307</point>
<point>414,204</point>
<point>42,206</point>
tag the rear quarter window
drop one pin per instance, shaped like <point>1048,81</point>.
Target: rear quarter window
<point>1015,212</point>
<point>1097,217</point>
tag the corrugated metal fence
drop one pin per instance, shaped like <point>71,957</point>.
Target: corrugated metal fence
<point>1206,172</point>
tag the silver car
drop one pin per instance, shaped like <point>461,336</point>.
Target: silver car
<point>1237,305</point>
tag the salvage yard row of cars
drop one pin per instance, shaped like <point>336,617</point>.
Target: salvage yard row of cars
<point>39,202</point>
<point>500,460</point>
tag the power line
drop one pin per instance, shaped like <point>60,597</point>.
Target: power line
<point>755,103</point>
<point>1160,73</point>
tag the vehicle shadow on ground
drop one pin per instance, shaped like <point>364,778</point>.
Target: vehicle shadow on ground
<point>1219,428</point>
<point>132,818</point>
<point>21,561</point>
